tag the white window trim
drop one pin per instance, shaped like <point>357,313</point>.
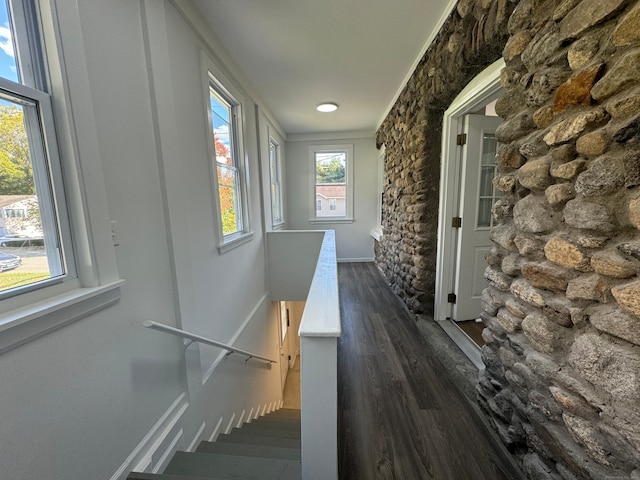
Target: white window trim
<point>277,224</point>
<point>35,313</point>
<point>377,232</point>
<point>213,75</point>
<point>348,218</point>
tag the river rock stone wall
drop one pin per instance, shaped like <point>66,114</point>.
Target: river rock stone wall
<point>562,310</point>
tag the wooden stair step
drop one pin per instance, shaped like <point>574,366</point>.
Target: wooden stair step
<point>260,440</point>
<point>233,467</point>
<point>249,450</point>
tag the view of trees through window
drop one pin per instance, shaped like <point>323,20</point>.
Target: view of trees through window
<point>226,164</point>
<point>331,184</point>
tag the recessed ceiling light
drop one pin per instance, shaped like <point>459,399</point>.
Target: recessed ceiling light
<point>327,107</point>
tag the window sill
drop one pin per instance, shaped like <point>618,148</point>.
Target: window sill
<point>235,242</point>
<point>278,226</point>
<point>33,321</point>
<point>318,221</point>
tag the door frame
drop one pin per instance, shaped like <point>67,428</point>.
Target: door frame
<point>483,89</point>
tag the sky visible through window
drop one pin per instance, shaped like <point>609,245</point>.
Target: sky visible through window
<point>8,68</point>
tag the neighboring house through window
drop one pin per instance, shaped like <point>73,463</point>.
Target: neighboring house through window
<point>333,186</point>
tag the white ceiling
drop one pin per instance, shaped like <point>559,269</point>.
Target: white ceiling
<point>299,53</point>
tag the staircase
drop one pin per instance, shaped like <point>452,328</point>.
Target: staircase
<point>265,449</point>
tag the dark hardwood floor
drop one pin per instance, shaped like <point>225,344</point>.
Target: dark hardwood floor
<point>399,415</point>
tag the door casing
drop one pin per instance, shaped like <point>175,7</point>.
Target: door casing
<point>483,89</point>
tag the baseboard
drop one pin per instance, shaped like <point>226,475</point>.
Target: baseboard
<point>158,442</point>
<point>355,260</point>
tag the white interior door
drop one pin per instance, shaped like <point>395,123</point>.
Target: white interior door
<point>285,343</point>
<point>477,196</point>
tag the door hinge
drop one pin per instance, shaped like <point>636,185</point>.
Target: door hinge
<point>456,222</point>
<point>461,139</point>
<point>451,298</point>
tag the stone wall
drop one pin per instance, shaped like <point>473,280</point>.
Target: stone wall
<point>472,38</point>
<point>562,383</point>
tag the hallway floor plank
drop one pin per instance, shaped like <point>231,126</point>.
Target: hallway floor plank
<point>399,415</point>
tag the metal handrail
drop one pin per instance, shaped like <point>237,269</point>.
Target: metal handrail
<point>198,338</point>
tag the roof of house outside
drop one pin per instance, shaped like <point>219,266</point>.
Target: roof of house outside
<point>334,190</point>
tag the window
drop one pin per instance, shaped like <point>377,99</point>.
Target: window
<point>488,194</point>
<point>332,183</point>
<point>30,170</point>
<point>276,182</point>
<point>229,178</point>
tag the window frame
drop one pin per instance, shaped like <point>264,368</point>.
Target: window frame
<point>215,79</point>
<point>91,282</point>
<point>349,200</point>
<point>276,183</point>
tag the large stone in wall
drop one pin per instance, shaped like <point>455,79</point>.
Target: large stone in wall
<point>611,320</point>
<point>560,193</point>
<point>545,44</point>
<point>571,128</point>
<point>587,14</point>
<point>628,297</point>
<point>589,216</point>
<point>627,131</point>
<point>628,30</point>
<point>594,143</point>
<point>586,435</point>
<point>605,175</point>
<point>577,90</point>
<point>623,73</point>
<point>582,51</point>
<point>587,287</point>
<point>612,264</point>
<point>533,214</point>
<point>546,275</point>
<point>534,174</point>
<point>625,105</point>
<point>544,335</point>
<point>613,367</point>
<point>569,170</point>
<point>566,254</point>
<point>523,290</point>
<point>515,127</point>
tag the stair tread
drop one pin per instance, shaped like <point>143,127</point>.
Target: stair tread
<point>285,412</point>
<point>163,476</point>
<point>234,467</point>
<point>248,450</point>
<point>280,428</point>
<point>260,440</point>
<point>266,431</point>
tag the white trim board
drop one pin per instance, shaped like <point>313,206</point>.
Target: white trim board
<point>149,451</point>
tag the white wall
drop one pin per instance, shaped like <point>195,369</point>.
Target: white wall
<point>353,240</point>
<point>90,399</point>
